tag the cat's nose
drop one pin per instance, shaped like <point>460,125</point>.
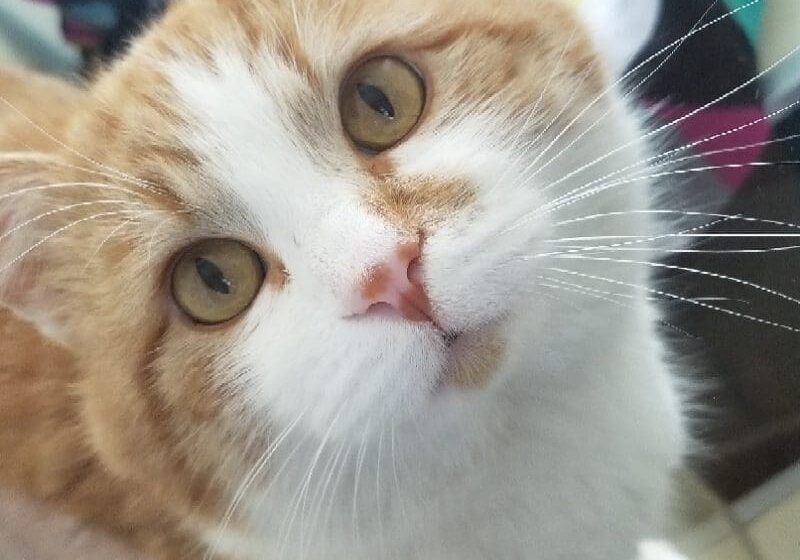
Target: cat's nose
<point>395,285</point>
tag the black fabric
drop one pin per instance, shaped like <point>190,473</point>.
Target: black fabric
<point>707,65</point>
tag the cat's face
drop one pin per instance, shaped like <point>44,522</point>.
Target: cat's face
<point>341,207</point>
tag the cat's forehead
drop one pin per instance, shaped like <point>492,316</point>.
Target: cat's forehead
<point>321,39</point>
<point>253,86</point>
<point>475,48</point>
<point>313,30</point>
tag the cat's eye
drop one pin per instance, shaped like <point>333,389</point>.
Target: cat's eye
<point>381,102</point>
<point>215,280</point>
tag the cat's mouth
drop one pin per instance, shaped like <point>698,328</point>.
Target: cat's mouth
<point>450,338</point>
<point>472,357</point>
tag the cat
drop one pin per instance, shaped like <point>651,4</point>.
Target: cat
<point>288,281</point>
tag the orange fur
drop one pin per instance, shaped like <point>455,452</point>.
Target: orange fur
<point>124,425</point>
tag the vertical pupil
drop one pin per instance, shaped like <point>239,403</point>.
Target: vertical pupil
<point>212,276</point>
<point>376,99</point>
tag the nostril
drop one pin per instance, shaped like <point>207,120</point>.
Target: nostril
<point>415,274</point>
<point>395,286</point>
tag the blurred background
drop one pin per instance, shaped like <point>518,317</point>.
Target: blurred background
<point>742,494</point>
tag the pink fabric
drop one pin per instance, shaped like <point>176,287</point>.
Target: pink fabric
<point>750,126</point>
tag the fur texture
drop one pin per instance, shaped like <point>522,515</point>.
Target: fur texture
<point>548,431</point>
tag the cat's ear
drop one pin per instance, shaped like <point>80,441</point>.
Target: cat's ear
<point>620,28</point>
<point>28,284</point>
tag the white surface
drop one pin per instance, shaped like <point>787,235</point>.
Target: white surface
<point>781,35</point>
<point>30,35</point>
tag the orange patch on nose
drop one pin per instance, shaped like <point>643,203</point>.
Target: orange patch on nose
<point>419,203</point>
<point>408,252</point>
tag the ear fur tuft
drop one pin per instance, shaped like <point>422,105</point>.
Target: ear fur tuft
<point>620,28</point>
<point>21,288</point>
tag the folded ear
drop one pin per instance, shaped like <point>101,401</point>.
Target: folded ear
<point>28,283</point>
<point>620,28</point>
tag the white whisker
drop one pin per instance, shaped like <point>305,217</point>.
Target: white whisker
<point>688,146</point>
<point>298,503</point>
<point>339,475</point>
<point>60,210</point>
<point>58,232</point>
<point>548,208</point>
<point>691,270</point>
<point>688,213</point>
<point>357,476</point>
<point>74,185</point>
<point>670,48</point>
<point>675,121</point>
<point>325,482</point>
<point>110,236</point>
<point>70,149</point>
<point>251,476</point>
<point>676,297</point>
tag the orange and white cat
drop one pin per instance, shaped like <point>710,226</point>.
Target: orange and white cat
<point>285,282</point>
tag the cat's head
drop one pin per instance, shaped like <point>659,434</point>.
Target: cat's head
<point>320,215</point>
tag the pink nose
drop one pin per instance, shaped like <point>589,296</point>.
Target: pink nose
<point>397,284</point>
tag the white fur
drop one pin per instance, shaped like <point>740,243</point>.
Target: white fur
<point>621,27</point>
<point>657,550</point>
<point>567,454</point>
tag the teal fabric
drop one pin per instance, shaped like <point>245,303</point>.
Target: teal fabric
<point>749,18</point>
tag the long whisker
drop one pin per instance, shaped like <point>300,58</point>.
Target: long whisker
<point>339,474</point>
<point>362,451</point>
<point>325,482</point>
<point>36,157</point>
<point>584,191</point>
<point>251,476</point>
<point>583,76</point>
<point>691,270</point>
<point>108,238</point>
<point>689,146</point>
<point>638,241</point>
<point>689,213</point>
<point>281,469</point>
<point>672,48</point>
<point>586,288</point>
<point>556,68</point>
<point>603,296</point>
<point>378,500</point>
<point>71,150</point>
<point>400,501</point>
<point>299,501</point>
<point>672,162</point>
<point>674,122</point>
<point>58,232</point>
<point>62,209</point>
<point>783,249</point>
<point>546,209</point>
<point>676,297</point>
<point>685,235</point>
<point>67,185</point>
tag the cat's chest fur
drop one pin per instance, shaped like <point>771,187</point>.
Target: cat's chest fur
<point>577,464</point>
